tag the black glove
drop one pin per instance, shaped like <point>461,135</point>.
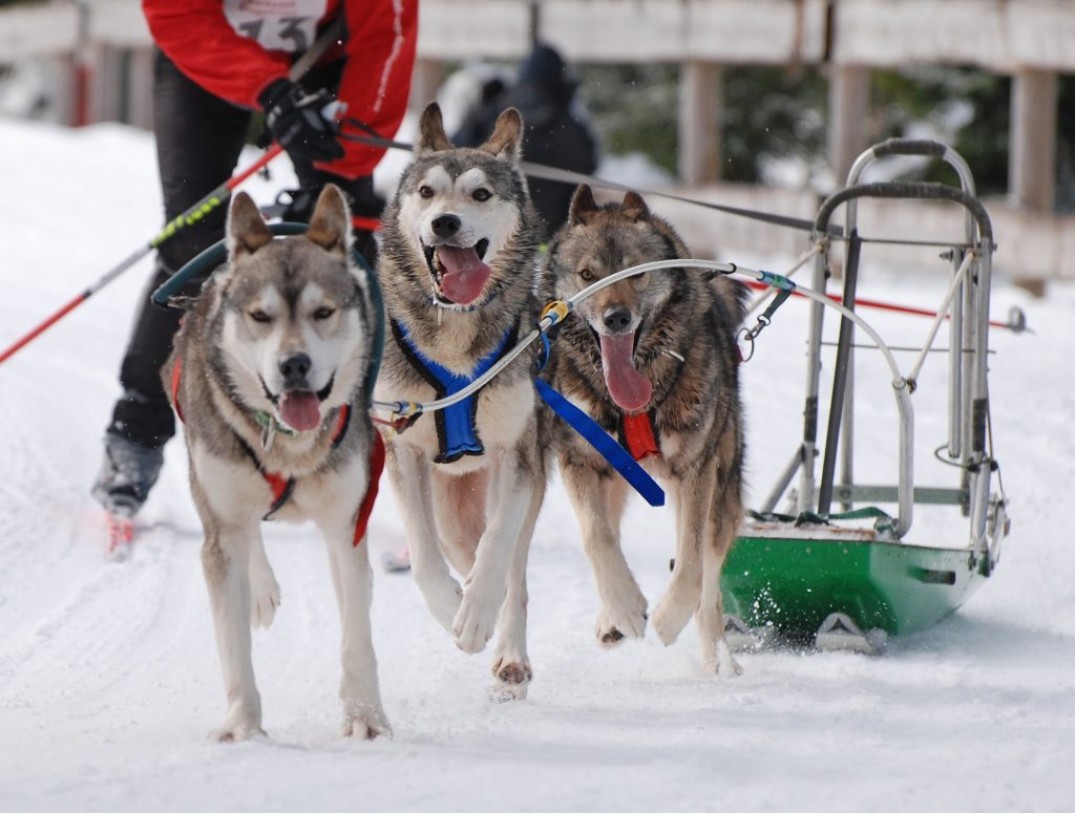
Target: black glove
<point>296,120</point>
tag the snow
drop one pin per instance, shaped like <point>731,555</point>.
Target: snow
<point>109,681</point>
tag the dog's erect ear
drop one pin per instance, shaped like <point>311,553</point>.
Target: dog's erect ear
<point>432,137</point>
<point>634,207</point>
<point>330,223</point>
<point>506,140</point>
<point>247,231</point>
<point>582,206</point>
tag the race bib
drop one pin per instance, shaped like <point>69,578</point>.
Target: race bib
<point>276,25</point>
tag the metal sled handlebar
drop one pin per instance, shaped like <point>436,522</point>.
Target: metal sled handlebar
<point>956,362</point>
<point>908,146</point>
<point>969,292</point>
<point>907,190</point>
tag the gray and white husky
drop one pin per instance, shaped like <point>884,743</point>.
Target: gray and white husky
<point>458,271</point>
<point>268,373</point>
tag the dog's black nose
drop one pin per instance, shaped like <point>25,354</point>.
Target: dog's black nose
<point>294,369</point>
<point>617,320</point>
<point>446,225</point>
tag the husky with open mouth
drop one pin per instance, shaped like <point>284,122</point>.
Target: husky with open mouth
<point>269,376</point>
<point>651,358</point>
<point>458,268</point>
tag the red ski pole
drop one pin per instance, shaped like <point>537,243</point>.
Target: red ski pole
<point>1016,320</point>
<point>191,216</point>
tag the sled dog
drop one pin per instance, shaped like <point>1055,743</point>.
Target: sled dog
<point>268,374</point>
<point>458,269</point>
<point>653,360</point>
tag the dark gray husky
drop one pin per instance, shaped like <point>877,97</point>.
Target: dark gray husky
<point>268,373</point>
<point>458,270</point>
<point>653,360</point>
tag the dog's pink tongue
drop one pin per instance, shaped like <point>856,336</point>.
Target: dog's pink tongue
<point>628,387</point>
<point>464,274</point>
<point>300,410</point>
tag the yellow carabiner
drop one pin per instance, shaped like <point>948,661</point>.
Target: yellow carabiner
<point>558,309</point>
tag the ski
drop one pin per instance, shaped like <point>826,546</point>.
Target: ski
<point>397,562</point>
<point>120,535</point>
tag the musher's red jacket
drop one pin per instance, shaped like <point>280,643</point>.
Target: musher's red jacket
<point>236,48</point>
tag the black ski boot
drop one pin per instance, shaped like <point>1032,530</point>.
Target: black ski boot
<point>128,472</point>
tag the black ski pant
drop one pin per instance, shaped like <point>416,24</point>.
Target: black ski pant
<point>199,137</point>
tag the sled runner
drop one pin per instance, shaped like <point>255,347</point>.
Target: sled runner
<point>844,565</point>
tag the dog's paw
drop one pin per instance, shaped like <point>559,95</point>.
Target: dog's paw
<point>624,617</point>
<point>443,598</point>
<point>513,677</point>
<point>720,661</point>
<point>264,595</point>
<point>512,671</point>
<point>237,728</point>
<point>475,622</point>
<point>242,722</point>
<point>263,603</point>
<point>671,616</point>
<point>364,721</point>
<point>237,734</point>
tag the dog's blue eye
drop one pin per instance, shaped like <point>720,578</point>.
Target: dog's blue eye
<point>323,313</point>
<point>482,195</point>
<point>586,274</point>
<point>260,316</point>
<point>425,191</point>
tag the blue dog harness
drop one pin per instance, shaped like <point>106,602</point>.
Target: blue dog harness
<point>456,429</point>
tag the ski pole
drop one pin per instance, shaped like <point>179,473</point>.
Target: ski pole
<point>191,216</point>
<point>1016,318</point>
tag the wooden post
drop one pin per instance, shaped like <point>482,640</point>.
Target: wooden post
<point>106,86</point>
<point>140,88</point>
<point>849,105</point>
<point>425,81</point>
<point>700,96</point>
<point>1032,161</point>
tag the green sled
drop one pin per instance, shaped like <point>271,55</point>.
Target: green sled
<point>781,579</point>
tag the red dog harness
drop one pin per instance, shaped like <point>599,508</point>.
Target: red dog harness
<point>282,487</point>
<point>639,436</point>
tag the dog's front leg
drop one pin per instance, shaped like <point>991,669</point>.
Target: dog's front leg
<point>692,496</point>
<point>511,664</point>
<point>360,693</point>
<point>225,557</point>
<point>511,486</point>
<point>264,589</point>
<point>725,514</point>
<point>599,498</point>
<point>408,469</point>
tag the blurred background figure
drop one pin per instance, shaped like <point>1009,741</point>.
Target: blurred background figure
<point>557,131</point>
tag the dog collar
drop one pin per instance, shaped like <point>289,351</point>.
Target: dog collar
<point>269,426</point>
<point>457,431</point>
